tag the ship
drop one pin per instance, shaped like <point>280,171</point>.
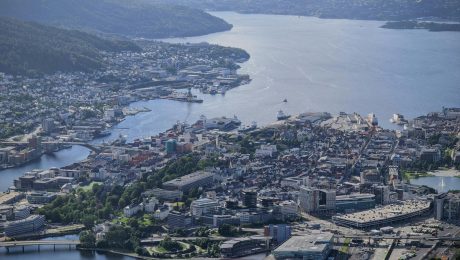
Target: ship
<point>398,119</point>
<point>372,119</point>
<point>281,115</point>
<point>248,128</point>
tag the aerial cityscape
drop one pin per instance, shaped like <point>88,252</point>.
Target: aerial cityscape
<point>153,129</point>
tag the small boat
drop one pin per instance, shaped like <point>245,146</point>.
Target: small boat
<point>281,115</point>
<point>285,100</point>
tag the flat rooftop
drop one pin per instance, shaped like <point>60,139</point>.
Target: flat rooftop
<point>190,178</point>
<point>386,212</point>
<point>356,196</point>
<point>315,242</point>
<point>8,196</point>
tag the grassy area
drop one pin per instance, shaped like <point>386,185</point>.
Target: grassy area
<point>345,246</point>
<point>162,250</point>
<point>145,221</point>
<point>90,186</point>
<point>414,175</point>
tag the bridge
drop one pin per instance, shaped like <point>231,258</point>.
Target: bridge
<point>93,147</point>
<point>38,243</point>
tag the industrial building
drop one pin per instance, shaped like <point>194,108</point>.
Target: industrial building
<point>314,246</point>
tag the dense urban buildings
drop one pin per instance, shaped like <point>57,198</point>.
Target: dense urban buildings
<point>303,189</point>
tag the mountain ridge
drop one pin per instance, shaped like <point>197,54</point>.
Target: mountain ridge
<point>127,18</point>
<point>28,48</point>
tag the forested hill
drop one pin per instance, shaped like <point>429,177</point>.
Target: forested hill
<point>28,48</point>
<point>344,9</point>
<point>135,18</point>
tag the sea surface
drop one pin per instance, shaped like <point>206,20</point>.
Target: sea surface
<point>316,64</point>
<point>60,159</point>
<point>442,181</point>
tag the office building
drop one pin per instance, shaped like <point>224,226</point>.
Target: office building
<point>382,194</point>
<point>178,220</point>
<point>250,198</point>
<point>21,212</point>
<point>243,246</point>
<point>354,202</point>
<point>203,206</point>
<point>171,146</point>
<point>40,197</point>
<point>31,224</point>
<point>169,195</point>
<point>318,201</point>
<point>430,155</point>
<point>447,206</point>
<point>279,233</point>
<point>48,125</point>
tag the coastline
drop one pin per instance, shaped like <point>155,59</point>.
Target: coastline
<point>445,173</point>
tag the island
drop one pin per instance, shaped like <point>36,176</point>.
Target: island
<point>431,26</point>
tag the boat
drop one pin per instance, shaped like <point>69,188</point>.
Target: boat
<point>213,91</point>
<point>102,133</point>
<point>285,100</point>
<point>281,115</point>
<point>248,128</point>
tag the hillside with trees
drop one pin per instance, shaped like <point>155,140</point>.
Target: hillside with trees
<point>134,18</point>
<point>30,49</point>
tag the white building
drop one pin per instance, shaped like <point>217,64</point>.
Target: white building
<point>161,213</point>
<point>150,205</point>
<point>131,210</point>
<point>289,209</point>
<point>266,150</point>
<point>203,206</point>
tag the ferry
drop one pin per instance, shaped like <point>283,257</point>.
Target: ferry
<point>281,115</point>
<point>398,119</point>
